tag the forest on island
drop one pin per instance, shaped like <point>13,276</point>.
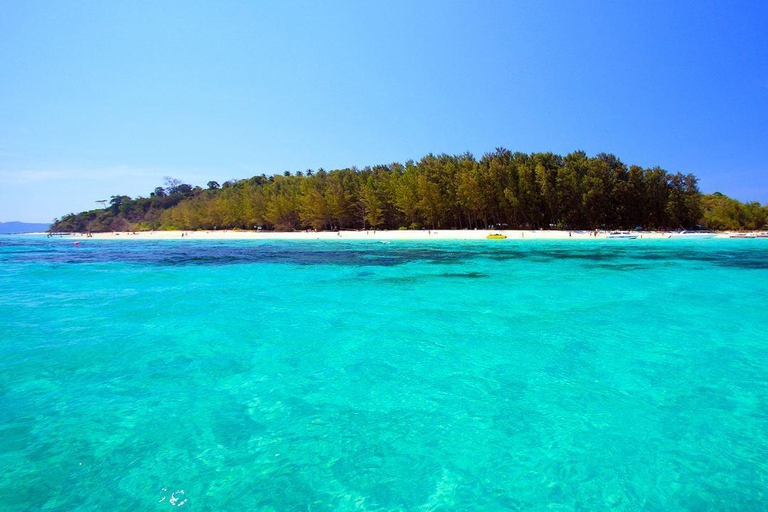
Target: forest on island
<point>502,189</point>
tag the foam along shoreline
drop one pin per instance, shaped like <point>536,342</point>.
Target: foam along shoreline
<point>440,234</point>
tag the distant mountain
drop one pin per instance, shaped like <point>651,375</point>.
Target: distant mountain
<point>22,227</point>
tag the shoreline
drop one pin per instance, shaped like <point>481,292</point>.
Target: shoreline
<point>388,235</point>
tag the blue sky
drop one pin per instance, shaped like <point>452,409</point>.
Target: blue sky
<point>104,98</point>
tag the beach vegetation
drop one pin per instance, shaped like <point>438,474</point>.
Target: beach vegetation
<point>502,188</point>
<point>723,213</point>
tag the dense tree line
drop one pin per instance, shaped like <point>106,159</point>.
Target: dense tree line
<point>725,214</point>
<point>127,214</point>
<point>503,189</point>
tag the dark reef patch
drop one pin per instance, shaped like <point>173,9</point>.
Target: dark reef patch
<point>745,263</point>
<point>213,253</point>
<point>465,275</point>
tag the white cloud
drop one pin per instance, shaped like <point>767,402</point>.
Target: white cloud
<point>25,176</point>
<point>29,176</point>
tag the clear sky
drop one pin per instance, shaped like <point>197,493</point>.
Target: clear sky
<point>104,98</point>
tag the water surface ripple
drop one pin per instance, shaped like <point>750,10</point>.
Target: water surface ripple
<point>332,375</point>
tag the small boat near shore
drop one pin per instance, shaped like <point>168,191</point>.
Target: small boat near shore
<point>496,236</point>
<point>745,235</point>
<point>622,235</point>
<point>693,235</point>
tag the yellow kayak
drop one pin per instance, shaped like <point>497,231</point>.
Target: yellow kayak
<point>496,236</point>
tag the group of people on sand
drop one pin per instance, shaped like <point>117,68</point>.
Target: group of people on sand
<point>86,235</point>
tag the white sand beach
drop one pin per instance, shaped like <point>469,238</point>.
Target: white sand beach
<point>369,235</point>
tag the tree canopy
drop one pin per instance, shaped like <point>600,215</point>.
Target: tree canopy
<point>503,189</point>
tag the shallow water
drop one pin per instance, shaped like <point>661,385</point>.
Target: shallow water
<point>332,375</point>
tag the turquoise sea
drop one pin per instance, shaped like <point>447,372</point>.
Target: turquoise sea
<point>335,376</point>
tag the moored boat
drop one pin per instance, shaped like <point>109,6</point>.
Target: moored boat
<point>622,235</point>
<point>693,235</point>
<point>496,236</point>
